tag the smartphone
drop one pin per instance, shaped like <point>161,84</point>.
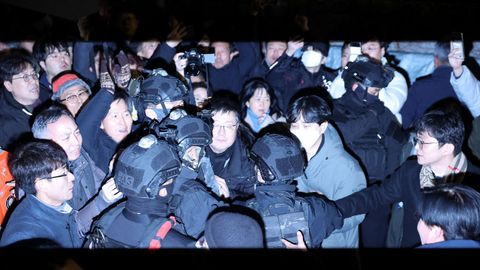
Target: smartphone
<point>457,43</point>
<point>355,50</point>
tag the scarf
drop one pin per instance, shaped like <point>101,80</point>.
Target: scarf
<point>256,125</point>
<point>455,173</point>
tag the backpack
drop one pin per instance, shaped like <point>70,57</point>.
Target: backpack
<point>152,237</point>
<point>282,220</point>
<point>7,186</point>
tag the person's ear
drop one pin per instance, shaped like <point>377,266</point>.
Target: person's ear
<point>247,104</point>
<point>383,52</point>
<point>448,149</point>
<point>39,185</point>
<point>8,85</point>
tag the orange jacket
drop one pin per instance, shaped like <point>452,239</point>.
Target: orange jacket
<point>7,192</point>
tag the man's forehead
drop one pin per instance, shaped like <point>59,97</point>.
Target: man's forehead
<point>63,121</point>
<point>223,115</point>
<point>276,43</point>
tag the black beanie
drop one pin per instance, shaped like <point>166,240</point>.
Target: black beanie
<point>233,230</point>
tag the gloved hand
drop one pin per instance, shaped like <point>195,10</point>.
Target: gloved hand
<point>105,78</point>
<point>326,217</point>
<point>121,70</point>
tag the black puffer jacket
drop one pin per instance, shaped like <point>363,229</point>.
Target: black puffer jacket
<point>15,119</point>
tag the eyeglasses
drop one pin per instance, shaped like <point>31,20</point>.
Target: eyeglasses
<point>65,173</point>
<point>76,98</point>
<point>26,77</point>
<point>420,142</point>
<point>57,55</point>
<point>217,127</point>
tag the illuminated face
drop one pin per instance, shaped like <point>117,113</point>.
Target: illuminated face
<point>309,134</point>
<point>74,98</point>
<point>200,94</point>
<point>58,188</point>
<point>222,54</point>
<point>345,56</point>
<point>56,62</point>
<point>193,155</point>
<point>259,103</point>
<point>224,132</point>
<point>373,50</point>
<point>428,150</point>
<point>274,50</point>
<point>147,48</point>
<point>118,122</point>
<point>65,133</point>
<point>24,86</point>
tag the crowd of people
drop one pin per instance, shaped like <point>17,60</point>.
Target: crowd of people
<point>152,144</point>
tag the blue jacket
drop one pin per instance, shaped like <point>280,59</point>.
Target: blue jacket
<point>33,219</point>
<point>425,92</point>
<point>96,142</point>
<point>335,174</point>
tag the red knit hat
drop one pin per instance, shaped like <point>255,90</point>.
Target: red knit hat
<point>65,81</point>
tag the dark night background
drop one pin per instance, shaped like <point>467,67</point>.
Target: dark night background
<point>332,19</point>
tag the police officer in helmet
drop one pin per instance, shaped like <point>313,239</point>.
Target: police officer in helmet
<point>192,196</point>
<point>144,173</point>
<point>278,161</point>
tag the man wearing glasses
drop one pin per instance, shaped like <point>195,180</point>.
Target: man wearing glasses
<point>71,91</point>
<point>40,169</point>
<point>234,172</point>
<point>440,159</point>
<point>19,95</point>
<point>53,58</point>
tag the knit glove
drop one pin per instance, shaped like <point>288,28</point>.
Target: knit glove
<point>121,70</point>
<point>105,78</point>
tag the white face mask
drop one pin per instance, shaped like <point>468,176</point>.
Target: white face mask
<point>311,58</point>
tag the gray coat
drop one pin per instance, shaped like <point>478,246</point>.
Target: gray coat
<point>336,174</point>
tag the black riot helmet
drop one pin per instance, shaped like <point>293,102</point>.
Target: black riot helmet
<point>185,131</point>
<point>368,72</point>
<point>157,88</point>
<point>144,166</point>
<point>278,158</point>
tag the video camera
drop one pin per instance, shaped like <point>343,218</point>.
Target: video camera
<point>195,61</point>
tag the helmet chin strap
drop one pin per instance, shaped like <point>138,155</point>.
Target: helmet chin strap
<point>161,114</point>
